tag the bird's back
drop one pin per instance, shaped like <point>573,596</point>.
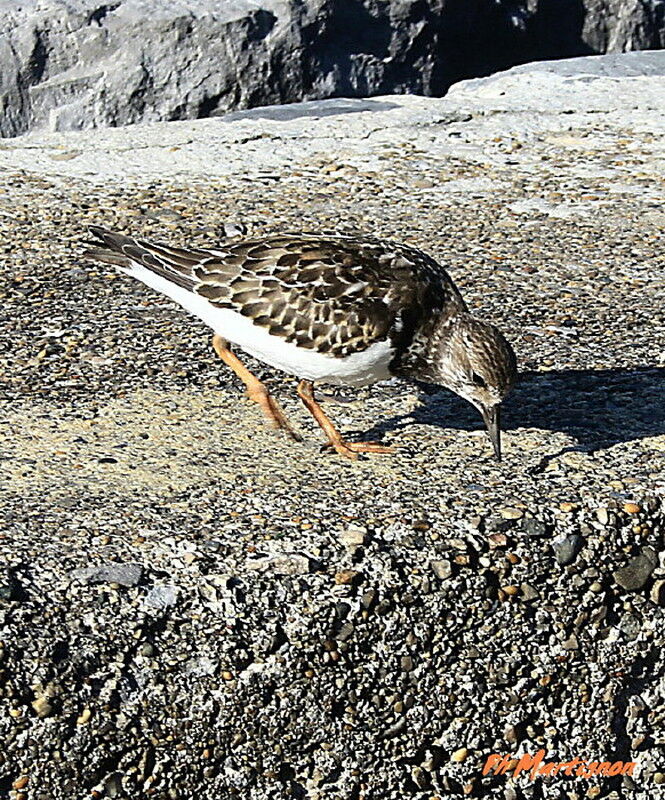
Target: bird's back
<point>333,294</point>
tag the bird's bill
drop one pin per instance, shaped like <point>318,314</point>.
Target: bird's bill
<point>492,418</point>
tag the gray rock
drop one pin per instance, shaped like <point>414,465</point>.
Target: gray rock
<point>10,587</point>
<point>567,548</point>
<point>637,572</point>
<point>161,597</point>
<point>124,574</point>
<point>66,65</point>
<point>534,527</point>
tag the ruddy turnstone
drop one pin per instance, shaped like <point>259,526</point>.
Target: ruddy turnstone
<point>337,309</point>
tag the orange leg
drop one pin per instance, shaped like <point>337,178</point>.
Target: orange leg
<point>256,391</point>
<point>348,449</point>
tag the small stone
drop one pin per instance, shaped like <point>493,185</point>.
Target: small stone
<point>353,537</point>
<point>529,592</point>
<point>659,777</point>
<point>513,733</point>
<point>441,568</point>
<point>568,508</point>
<point>637,572</point>
<point>511,513</point>
<point>567,548</point>
<point>459,755</point>
<point>533,527</point>
<point>511,591</point>
<point>602,515</point>
<point>571,643</point>
<point>161,597</point>
<point>10,588</point>
<point>122,574</point>
<point>42,707</point>
<point>631,508</point>
<point>84,718</point>
<point>406,663</point>
<point>21,783</point>
<point>345,577</point>
<point>420,778</point>
<point>657,593</point>
<point>596,587</point>
<point>282,564</point>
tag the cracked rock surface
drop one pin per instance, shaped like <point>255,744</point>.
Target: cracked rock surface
<point>193,606</point>
<point>72,64</point>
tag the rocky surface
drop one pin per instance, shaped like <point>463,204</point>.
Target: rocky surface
<point>191,606</point>
<point>71,64</point>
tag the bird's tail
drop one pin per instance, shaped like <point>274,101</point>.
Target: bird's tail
<point>112,250</point>
<point>172,263</point>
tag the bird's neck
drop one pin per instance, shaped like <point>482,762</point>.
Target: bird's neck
<point>417,348</point>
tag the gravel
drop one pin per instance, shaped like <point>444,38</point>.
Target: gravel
<point>273,621</point>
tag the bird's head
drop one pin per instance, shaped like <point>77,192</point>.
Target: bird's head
<point>477,363</point>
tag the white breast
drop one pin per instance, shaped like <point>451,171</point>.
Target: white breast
<point>358,369</point>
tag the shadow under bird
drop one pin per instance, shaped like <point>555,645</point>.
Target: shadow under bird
<point>344,310</point>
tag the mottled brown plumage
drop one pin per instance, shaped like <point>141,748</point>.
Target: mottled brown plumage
<point>339,297</point>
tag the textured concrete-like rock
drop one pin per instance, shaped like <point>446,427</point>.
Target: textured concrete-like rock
<point>303,626</point>
<point>71,64</point>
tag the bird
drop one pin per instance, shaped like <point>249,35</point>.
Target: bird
<point>333,308</point>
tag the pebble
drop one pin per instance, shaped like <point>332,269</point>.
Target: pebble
<point>567,548</point>
<point>121,574</point>
<point>346,577</point>
<point>602,515</point>
<point>568,508</point>
<point>534,527</point>
<point>459,755</point>
<point>511,513</point>
<point>631,508</point>
<point>42,707</point>
<point>353,537</point>
<point>442,568</point>
<point>529,592</point>
<point>160,597</point>
<point>657,593</point>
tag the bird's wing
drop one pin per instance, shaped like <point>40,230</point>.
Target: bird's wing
<point>333,294</point>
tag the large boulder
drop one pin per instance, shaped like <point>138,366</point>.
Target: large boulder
<point>72,64</point>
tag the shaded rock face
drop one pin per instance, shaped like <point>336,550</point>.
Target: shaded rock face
<point>77,64</point>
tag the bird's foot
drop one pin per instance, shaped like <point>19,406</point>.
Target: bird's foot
<point>353,449</point>
<point>272,411</point>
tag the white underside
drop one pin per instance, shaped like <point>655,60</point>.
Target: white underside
<point>358,369</point>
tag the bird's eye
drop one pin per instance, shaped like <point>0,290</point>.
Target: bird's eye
<point>478,380</point>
